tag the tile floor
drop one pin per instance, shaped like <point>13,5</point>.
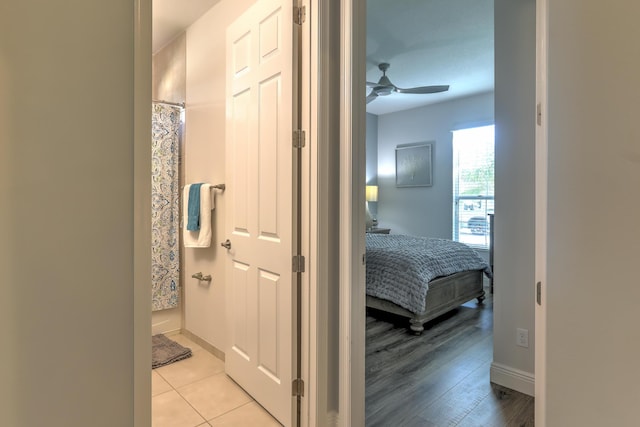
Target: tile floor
<point>196,392</point>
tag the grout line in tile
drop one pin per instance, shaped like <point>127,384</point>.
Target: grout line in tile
<point>192,407</point>
<point>164,392</point>
<point>206,423</point>
<point>167,381</point>
<point>201,379</point>
<point>252,400</point>
<point>231,410</point>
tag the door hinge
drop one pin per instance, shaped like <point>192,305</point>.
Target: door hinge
<point>539,293</point>
<point>297,387</point>
<point>298,264</point>
<point>539,114</point>
<point>298,138</point>
<point>299,14</point>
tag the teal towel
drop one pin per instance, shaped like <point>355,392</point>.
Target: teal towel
<point>193,215</point>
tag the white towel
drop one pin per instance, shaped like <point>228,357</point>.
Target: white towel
<point>200,238</point>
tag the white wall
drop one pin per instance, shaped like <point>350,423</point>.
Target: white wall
<point>169,67</point>
<point>593,337</point>
<point>424,211</point>
<point>372,149</point>
<point>204,308</point>
<point>69,305</point>
<point>372,157</point>
<point>514,254</point>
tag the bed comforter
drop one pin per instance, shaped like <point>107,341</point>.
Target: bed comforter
<point>399,267</point>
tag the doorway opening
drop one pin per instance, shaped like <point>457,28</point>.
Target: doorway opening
<point>232,65</point>
<point>431,370</point>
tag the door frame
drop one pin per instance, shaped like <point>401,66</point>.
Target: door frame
<point>352,212</point>
<point>314,333</point>
<point>333,214</point>
<point>321,115</point>
<point>141,292</point>
<point>541,192</point>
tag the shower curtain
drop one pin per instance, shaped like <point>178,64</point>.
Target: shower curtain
<point>165,206</point>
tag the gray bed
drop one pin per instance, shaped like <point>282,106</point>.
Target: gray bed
<point>421,278</point>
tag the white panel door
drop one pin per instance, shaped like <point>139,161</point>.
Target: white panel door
<point>259,163</point>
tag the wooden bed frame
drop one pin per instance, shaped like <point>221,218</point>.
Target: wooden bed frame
<point>444,294</point>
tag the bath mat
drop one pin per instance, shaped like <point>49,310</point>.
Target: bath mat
<point>165,351</point>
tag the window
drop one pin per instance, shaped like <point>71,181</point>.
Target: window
<point>473,185</point>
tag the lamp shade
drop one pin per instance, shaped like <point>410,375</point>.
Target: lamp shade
<point>371,193</point>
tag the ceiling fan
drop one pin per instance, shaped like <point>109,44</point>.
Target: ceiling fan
<point>384,86</point>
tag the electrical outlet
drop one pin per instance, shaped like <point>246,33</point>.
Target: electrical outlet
<point>522,337</point>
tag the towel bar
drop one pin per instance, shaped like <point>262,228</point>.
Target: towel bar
<point>219,186</point>
<point>199,276</point>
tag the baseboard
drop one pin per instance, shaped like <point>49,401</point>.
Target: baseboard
<point>166,321</point>
<point>202,343</point>
<point>512,378</point>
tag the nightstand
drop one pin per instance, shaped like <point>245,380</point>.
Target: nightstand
<point>376,230</point>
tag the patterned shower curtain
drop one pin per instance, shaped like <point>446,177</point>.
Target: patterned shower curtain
<point>165,206</point>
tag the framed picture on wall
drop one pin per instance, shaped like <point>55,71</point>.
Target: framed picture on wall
<point>413,165</point>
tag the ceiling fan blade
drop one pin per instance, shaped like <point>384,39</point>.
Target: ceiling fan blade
<point>424,89</point>
<point>372,84</point>
<point>373,95</point>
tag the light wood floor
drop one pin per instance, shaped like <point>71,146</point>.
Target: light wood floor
<point>441,378</point>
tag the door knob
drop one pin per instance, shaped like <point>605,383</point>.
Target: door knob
<point>226,244</point>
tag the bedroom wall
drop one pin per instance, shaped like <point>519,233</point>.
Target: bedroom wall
<point>372,156</point>
<point>204,311</point>
<point>514,254</point>
<point>168,83</point>
<point>593,338</point>
<point>424,211</point>
<point>372,149</point>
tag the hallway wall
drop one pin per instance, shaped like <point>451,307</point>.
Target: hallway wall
<point>74,227</point>
<point>592,291</point>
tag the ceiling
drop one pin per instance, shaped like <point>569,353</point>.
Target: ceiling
<point>427,42</point>
<point>172,17</point>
